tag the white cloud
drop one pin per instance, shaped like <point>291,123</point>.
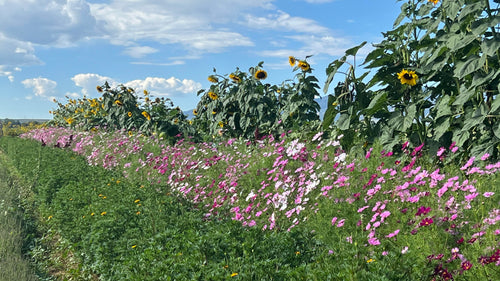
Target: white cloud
<point>284,21</point>
<point>139,51</point>
<point>89,81</point>
<point>198,25</point>
<point>158,86</point>
<point>47,22</point>
<point>42,87</point>
<point>14,52</point>
<point>165,87</point>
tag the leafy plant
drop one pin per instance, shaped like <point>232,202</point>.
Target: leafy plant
<point>436,80</point>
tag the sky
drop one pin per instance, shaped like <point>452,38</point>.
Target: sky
<point>53,49</point>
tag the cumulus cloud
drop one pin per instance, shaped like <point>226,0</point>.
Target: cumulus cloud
<point>42,87</point>
<point>89,81</point>
<point>165,86</point>
<point>158,86</point>
<point>47,22</point>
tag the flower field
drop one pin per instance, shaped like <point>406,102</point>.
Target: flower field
<point>399,180</point>
<point>340,216</point>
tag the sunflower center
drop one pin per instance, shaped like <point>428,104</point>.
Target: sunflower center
<point>261,75</point>
<point>408,76</point>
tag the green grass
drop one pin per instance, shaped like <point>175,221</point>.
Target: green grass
<point>14,265</point>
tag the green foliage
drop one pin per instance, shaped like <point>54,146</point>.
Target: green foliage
<point>241,105</point>
<point>121,108</point>
<point>452,47</point>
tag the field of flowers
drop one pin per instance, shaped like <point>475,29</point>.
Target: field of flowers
<point>331,215</point>
<point>399,181</point>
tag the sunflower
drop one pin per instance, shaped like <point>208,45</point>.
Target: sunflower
<point>213,79</point>
<point>213,95</point>
<point>129,114</point>
<point>146,115</point>
<point>221,124</point>
<point>408,77</point>
<point>292,61</point>
<point>99,89</point>
<point>434,1</point>
<point>235,78</point>
<point>304,65</point>
<point>119,103</point>
<point>195,112</point>
<point>261,74</point>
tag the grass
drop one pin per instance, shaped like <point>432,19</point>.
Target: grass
<point>280,209</point>
<point>14,264</point>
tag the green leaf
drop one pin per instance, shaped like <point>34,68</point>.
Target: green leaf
<point>451,8</point>
<point>463,97</point>
<point>402,15</point>
<point>443,107</point>
<point>344,121</point>
<point>441,128</point>
<point>458,41</point>
<point>330,113</point>
<point>410,116</point>
<point>395,121</point>
<point>377,103</point>
<point>490,47</point>
<point>495,105</point>
<point>425,9</point>
<point>352,51</point>
<point>461,137</point>
<point>331,70</point>
<point>496,130</point>
<point>472,64</point>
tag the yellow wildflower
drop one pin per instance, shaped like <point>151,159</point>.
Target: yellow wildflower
<point>234,274</point>
<point>292,61</point>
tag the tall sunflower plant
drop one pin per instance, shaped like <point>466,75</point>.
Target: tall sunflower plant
<point>436,80</point>
<point>242,105</point>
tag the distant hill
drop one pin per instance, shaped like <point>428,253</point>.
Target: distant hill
<point>23,121</point>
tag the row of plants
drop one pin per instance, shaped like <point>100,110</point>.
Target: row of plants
<point>366,215</point>
<point>433,79</point>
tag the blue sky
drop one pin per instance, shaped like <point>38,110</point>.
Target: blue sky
<point>56,48</point>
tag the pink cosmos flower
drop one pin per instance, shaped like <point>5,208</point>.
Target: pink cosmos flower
<point>485,157</point>
<point>488,194</point>
<point>390,235</point>
<point>373,241</point>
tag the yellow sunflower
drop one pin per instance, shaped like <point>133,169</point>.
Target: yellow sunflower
<point>292,61</point>
<point>213,79</point>
<point>119,103</point>
<point>235,78</point>
<point>408,77</point>
<point>99,89</point>
<point>195,112</point>
<point>129,114</point>
<point>304,66</point>
<point>146,115</point>
<point>213,95</point>
<point>434,1</point>
<point>261,74</point>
